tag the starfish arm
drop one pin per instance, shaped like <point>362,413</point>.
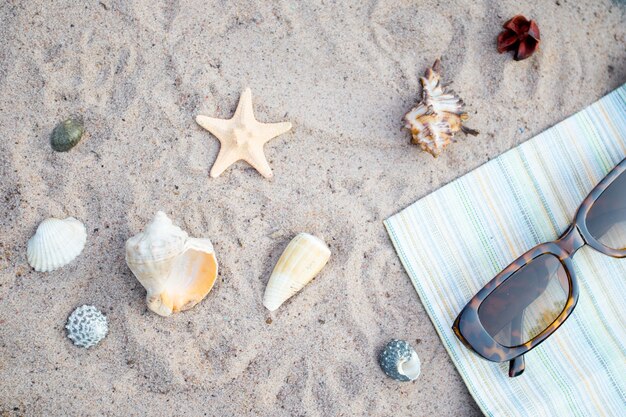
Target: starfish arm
<point>225,158</point>
<point>220,128</point>
<point>268,131</point>
<point>244,112</point>
<point>256,158</point>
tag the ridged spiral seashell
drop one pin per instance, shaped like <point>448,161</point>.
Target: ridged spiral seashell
<point>55,243</point>
<point>302,260</point>
<point>86,326</point>
<point>438,116</point>
<point>400,361</point>
<point>176,270</point>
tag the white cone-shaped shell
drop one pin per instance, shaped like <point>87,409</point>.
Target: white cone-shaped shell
<point>55,243</point>
<point>176,270</point>
<point>302,260</point>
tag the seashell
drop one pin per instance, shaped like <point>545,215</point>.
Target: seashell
<point>86,326</point>
<point>176,270</point>
<point>399,361</point>
<point>435,119</point>
<point>67,134</point>
<point>55,243</point>
<point>302,260</point>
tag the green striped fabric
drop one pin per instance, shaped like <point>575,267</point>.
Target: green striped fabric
<point>455,240</point>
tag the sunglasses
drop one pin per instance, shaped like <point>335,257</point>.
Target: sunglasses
<point>526,302</point>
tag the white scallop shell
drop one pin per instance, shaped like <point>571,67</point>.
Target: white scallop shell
<point>55,243</point>
<point>176,270</point>
<point>302,260</point>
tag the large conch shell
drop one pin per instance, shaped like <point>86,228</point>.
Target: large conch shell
<point>176,270</point>
<point>302,260</point>
<point>435,119</point>
<point>56,243</point>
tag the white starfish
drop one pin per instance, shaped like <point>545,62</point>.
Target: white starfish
<point>242,137</point>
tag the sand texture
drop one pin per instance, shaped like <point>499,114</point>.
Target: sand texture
<point>344,73</point>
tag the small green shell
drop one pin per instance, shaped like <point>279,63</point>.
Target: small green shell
<point>67,134</point>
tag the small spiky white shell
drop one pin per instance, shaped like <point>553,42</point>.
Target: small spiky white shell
<point>302,260</point>
<point>55,243</point>
<point>438,116</point>
<point>86,326</point>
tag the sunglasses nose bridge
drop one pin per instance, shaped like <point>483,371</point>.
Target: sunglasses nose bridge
<point>571,240</point>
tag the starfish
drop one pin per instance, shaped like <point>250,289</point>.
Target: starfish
<point>242,137</point>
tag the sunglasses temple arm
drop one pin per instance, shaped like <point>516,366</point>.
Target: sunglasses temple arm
<point>517,365</point>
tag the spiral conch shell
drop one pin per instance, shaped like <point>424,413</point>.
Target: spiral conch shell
<point>176,270</point>
<point>435,119</point>
<point>302,260</point>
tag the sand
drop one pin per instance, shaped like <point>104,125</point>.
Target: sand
<point>343,73</point>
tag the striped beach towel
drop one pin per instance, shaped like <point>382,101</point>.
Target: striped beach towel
<point>455,240</point>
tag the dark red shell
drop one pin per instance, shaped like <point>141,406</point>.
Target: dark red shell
<point>521,36</point>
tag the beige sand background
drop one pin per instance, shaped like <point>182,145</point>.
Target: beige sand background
<point>343,73</point>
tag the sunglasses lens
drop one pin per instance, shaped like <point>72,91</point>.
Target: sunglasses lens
<point>527,302</point>
<point>606,220</point>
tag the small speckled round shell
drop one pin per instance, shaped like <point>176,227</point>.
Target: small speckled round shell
<point>87,326</point>
<point>67,134</point>
<point>399,361</point>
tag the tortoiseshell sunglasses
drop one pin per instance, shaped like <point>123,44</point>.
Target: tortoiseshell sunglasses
<point>526,302</point>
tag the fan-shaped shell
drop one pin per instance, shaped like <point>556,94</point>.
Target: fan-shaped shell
<point>55,243</point>
<point>176,270</point>
<point>302,260</point>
